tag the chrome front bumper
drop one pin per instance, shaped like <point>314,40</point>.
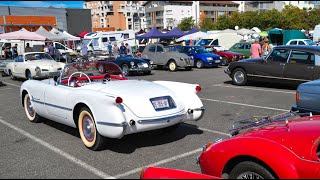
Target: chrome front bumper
<point>227,71</point>
<point>139,69</point>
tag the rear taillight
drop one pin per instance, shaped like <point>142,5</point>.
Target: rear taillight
<point>297,97</point>
<point>198,88</point>
<point>119,100</point>
<point>142,172</point>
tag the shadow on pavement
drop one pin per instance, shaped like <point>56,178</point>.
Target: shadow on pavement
<point>266,85</point>
<point>131,142</point>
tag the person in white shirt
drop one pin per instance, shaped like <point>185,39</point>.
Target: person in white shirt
<point>84,51</point>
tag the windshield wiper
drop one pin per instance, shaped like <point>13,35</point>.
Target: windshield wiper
<point>256,121</point>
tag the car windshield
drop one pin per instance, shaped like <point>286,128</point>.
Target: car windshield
<point>86,41</point>
<point>310,42</point>
<point>94,70</point>
<point>38,56</point>
<point>199,49</point>
<point>205,42</point>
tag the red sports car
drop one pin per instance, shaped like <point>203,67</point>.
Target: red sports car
<point>284,146</point>
<point>166,173</point>
<point>227,56</point>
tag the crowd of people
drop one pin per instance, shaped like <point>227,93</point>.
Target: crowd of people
<point>260,48</point>
<point>115,51</point>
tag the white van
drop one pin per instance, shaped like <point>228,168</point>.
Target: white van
<point>224,39</point>
<point>100,40</point>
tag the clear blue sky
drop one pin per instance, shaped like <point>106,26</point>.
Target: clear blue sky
<point>57,4</point>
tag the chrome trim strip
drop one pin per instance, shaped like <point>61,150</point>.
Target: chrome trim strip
<point>273,77</point>
<point>48,104</point>
<point>159,119</point>
<point>111,124</point>
<point>202,113</point>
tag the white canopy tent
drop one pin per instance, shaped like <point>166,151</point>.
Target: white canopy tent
<point>71,37</point>
<point>194,36</point>
<point>59,34</point>
<point>43,32</point>
<point>244,31</point>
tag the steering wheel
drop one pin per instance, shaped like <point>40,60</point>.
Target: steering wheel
<point>80,76</point>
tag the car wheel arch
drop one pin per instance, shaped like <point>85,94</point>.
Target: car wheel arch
<point>24,93</point>
<point>238,159</point>
<point>76,111</point>
<point>25,73</point>
<point>168,62</point>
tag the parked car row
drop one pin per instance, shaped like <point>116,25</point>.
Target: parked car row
<point>83,94</point>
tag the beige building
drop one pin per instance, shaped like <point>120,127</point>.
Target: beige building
<point>124,15</point>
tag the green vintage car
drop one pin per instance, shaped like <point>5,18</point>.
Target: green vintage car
<point>242,47</point>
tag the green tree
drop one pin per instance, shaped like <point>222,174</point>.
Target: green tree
<point>206,24</point>
<point>223,22</point>
<point>270,19</point>
<point>294,18</point>
<point>186,24</point>
<point>251,19</point>
<point>313,19</point>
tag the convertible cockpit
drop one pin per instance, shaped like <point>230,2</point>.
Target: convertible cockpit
<point>83,73</point>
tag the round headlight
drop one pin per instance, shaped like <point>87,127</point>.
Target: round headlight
<point>220,57</point>
<point>132,63</point>
<point>181,59</point>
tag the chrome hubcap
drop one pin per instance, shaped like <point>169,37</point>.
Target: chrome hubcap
<point>249,175</point>
<point>238,77</point>
<point>88,129</point>
<point>172,66</point>
<point>30,107</point>
<point>125,70</point>
<point>199,64</point>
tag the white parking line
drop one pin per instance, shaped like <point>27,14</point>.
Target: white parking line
<point>59,151</point>
<point>5,89</point>
<point>160,162</point>
<point>209,130</point>
<point>11,84</point>
<point>257,89</point>
<point>241,104</point>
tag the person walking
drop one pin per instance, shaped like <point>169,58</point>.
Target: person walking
<point>265,47</point>
<point>191,43</point>
<point>129,49</point>
<point>255,50</point>
<point>28,48</point>
<point>52,51</point>
<point>110,48</point>
<point>84,51</point>
<point>14,51</point>
<point>115,50</point>
<point>123,50</point>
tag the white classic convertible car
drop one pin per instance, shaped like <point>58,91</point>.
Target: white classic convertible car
<point>97,99</point>
<point>33,65</point>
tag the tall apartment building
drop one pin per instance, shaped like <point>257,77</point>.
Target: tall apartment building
<point>268,5</point>
<point>168,14</point>
<point>124,15</point>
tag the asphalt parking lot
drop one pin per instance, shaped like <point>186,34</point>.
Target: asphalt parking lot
<point>52,150</point>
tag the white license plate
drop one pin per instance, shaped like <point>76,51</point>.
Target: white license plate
<point>160,103</point>
<point>217,61</point>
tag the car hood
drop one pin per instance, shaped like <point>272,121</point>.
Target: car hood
<point>301,136</point>
<point>309,87</point>
<point>137,60</point>
<point>136,96</point>
<point>44,63</point>
<point>214,56</point>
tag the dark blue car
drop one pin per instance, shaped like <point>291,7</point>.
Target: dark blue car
<point>202,58</point>
<point>130,64</point>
